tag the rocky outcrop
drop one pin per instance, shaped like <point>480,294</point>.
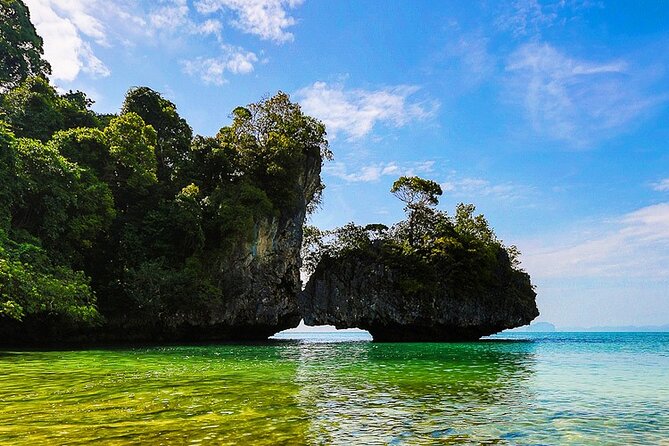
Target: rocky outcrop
<point>262,277</point>
<point>361,290</point>
<point>266,275</point>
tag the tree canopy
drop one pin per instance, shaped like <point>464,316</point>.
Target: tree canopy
<point>416,191</point>
<point>130,217</point>
<point>20,47</point>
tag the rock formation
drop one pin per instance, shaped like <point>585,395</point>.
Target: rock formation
<point>361,290</point>
<point>265,275</point>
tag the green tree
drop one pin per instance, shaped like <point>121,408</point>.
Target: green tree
<point>32,108</point>
<point>85,146</point>
<point>75,108</point>
<point>132,152</point>
<point>20,47</point>
<point>210,164</point>
<point>59,202</point>
<point>174,135</point>
<point>274,140</point>
<point>31,285</point>
<point>7,174</point>
<point>416,191</point>
<point>35,110</point>
<point>419,195</point>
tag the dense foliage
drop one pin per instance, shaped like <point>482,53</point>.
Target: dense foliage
<point>137,212</point>
<point>20,47</point>
<point>430,249</point>
<point>131,217</point>
<point>147,212</point>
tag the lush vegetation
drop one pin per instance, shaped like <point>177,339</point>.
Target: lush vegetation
<point>431,250</point>
<point>130,215</point>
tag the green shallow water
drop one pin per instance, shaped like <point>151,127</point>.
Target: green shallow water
<point>533,389</point>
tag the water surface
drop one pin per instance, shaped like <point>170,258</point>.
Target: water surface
<point>520,388</point>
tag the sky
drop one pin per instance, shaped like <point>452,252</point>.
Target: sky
<point>550,116</point>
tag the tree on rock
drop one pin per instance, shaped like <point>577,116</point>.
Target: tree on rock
<point>419,195</point>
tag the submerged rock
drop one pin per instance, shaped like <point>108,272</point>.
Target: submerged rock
<point>366,290</point>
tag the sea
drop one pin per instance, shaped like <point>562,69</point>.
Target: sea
<point>341,388</point>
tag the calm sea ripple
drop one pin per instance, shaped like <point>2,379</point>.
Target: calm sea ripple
<point>520,388</point>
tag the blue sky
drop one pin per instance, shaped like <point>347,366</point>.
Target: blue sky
<point>550,116</point>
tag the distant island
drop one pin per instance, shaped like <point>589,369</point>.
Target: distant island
<point>545,327</point>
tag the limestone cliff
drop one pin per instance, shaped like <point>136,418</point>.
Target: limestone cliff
<point>362,290</point>
<point>266,273</point>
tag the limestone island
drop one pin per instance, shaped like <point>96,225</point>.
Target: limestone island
<point>431,277</point>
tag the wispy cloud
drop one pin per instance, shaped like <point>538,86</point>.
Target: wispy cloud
<point>633,245</point>
<point>356,112</point>
<point>576,100</point>
<point>474,59</point>
<point>661,186</point>
<point>472,188</point>
<point>523,17</point>
<point>267,19</point>
<point>170,15</point>
<point>212,70</point>
<point>374,172</point>
<point>529,18</point>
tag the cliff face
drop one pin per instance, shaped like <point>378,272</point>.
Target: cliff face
<point>265,275</point>
<point>362,291</point>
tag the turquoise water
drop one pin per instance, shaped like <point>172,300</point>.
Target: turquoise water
<point>520,388</point>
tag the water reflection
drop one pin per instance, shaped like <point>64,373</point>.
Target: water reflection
<point>561,389</point>
<point>368,393</point>
<point>200,395</point>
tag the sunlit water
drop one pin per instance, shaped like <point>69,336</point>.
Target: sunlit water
<point>531,389</point>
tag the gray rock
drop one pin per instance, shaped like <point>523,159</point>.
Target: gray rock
<point>361,291</point>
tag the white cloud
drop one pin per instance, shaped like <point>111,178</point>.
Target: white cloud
<point>525,17</point>
<point>267,19</point>
<point>374,172</point>
<point>175,18</point>
<point>212,70</point>
<point>575,100</point>
<point>172,15</point>
<point>661,186</point>
<point>356,112</point>
<point>63,24</point>
<point>632,246</point>
<point>472,188</point>
<point>71,29</point>
<point>210,26</point>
